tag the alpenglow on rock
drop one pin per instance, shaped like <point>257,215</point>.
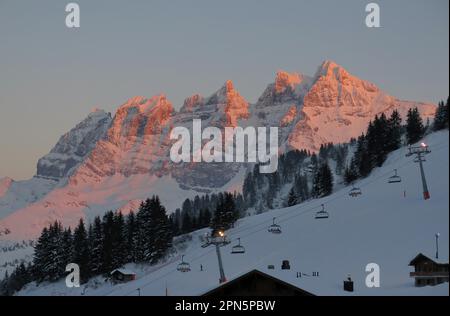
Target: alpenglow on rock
<point>114,162</point>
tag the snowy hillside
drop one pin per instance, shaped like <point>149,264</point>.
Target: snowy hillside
<point>388,225</point>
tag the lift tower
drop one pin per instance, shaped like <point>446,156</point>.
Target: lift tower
<point>218,239</point>
<point>420,152</point>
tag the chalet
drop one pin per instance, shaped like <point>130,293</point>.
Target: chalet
<point>428,271</point>
<point>122,275</point>
<point>257,283</point>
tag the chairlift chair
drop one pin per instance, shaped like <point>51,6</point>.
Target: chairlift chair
<point>354,192</point>
<point>274,228</point>
<point>238,248</point>
<point>184,266</point>
<point>322,214</point>
<point>395,178</point>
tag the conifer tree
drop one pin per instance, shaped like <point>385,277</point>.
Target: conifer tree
<point>66,249</point>
<point>96,246</point>
<point>42,256</point>
<point>414,126</point>
<point>292,198</point>
<point>131,236</point>
<point>119,246</point>
<point>107,244</point>
<point>441,116</point>
<point>394,131</point>
<point>81,250</point>
<point>160,232</point>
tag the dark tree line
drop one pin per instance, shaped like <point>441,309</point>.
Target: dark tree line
<point>207,211</point>
<point>323,181</point>
<point>441,116</point>
<point>307,175</point>
<point>383,136</point>
<point>22,275</point>
<point>104,245</point>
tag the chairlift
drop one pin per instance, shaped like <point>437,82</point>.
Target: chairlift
<point>184,266</point>
<point>274,228</point>
<point>322,213</point>
<point>395,178</point>
<point>238,248</point>
<point>355,192</point>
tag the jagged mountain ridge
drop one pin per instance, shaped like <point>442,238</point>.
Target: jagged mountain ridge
<point>110,162</point>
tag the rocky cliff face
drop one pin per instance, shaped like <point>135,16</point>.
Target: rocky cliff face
<point>113,162</point>
<point>73,147</point>
<point>339,106</point>
<point>135,143</point>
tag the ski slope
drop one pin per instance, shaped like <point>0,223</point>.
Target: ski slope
<point>383,226</point>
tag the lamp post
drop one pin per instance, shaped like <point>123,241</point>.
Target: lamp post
<point>437,245</point>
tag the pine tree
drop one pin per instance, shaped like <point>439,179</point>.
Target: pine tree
<point>107,245</point>
<point>142,236</point>
<point>66,249</point>
<point>206,218</point>
<point>55,267</point>
<point>41,256</point>
<point>414,126</point>
<point>119,246</point>
<point>96,247</point>
<point>161,231</point>
<point>327,180</point>
<point>187,223</point>
<point>81,250</point>
<point>362,157</point>
<point>225,214</point>
<point>351,173</point>
<point>131,237</point>
<point>394,131</point>
<point>441,116</point>
<point>302,188</point>
<point>292,198</point>
<point>323,181</point>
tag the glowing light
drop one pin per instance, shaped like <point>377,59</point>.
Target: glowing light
<point>423,145</point>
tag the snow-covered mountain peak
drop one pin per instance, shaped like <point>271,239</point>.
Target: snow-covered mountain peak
<point>144,105</point>
<point>192,103</point>
<point>328,67</point>
<point>229,104</point>
<point>285,79</point>
<point>329,70</point>
<point>221,96</point>
<point>5,183</point>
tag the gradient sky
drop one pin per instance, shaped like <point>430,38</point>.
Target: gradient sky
<point>52,76</point>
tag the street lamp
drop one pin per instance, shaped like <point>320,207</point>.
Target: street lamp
<point>437,245</point>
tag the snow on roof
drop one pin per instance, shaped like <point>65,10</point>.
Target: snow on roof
<point>441,260</point>
<point>123,271</point>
